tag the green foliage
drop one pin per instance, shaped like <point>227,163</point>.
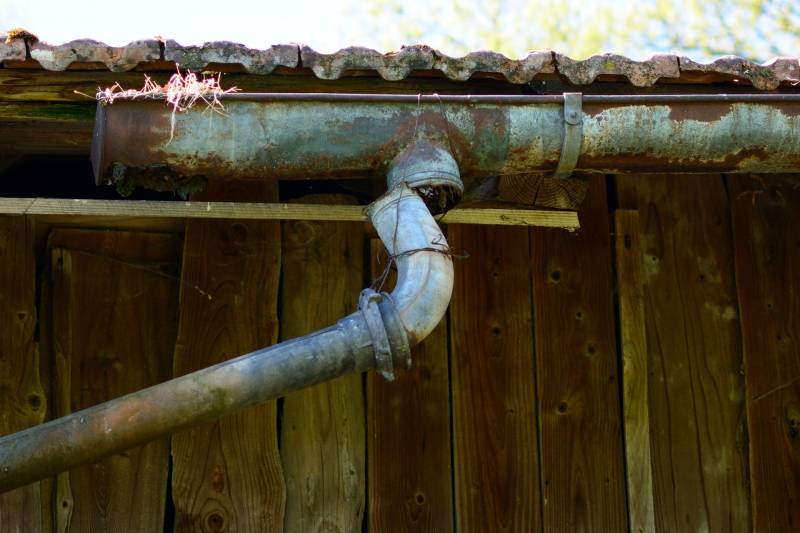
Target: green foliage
<point>755,29</point>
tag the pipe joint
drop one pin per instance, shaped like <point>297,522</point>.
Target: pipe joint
<point>429,169</point>
<point>389,341</point>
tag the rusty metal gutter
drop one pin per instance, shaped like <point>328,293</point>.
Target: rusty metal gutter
<point>299,136</point>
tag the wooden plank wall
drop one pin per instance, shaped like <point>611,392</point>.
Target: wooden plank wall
<point>583,477</point>
<point>323,445</point>
<point>766,223</point>
<point>493,382</point>
<point>227,475</point>
<point>635,371</point>
<point>408,435</point>
<point>548,400</point>
<point>22,397</point>
<point>113,331</point>
<point>696,390</point>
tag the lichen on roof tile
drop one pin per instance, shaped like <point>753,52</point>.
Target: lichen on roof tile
<point>785,68</point>
<point>253,60</point>
<point>115,58</point>
<point>515,70</point>
<point>639,73</point>
<point>13,50</point>
<point>765,77</point>
<point>391,67</point>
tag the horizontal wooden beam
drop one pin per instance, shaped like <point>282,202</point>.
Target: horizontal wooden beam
<point>277,211</point>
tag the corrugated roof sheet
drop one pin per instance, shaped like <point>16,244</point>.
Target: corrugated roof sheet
<point>396,65</point>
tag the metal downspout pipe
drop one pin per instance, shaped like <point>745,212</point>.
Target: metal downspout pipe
<point>378,335</point>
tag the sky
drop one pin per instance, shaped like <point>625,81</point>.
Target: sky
<point>514,27</point>
<point>324,25</point>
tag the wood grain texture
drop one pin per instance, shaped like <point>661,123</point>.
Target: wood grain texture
<point>766,220</point>
<point>22,397</point>
<point>322,440</point>
<point>408,429</point>
<point>110,211</point>
<point>46,373</point>
<point>493,384</point>
<point>633,341</point>
<point>227,475</point>
<point>582,454</point>
<point>114,325</point>
<point>695,355</point>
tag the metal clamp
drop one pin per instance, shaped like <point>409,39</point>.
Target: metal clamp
<point>573,135</point>
<point>368,304</point>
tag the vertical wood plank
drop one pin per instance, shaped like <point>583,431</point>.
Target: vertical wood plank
<point>115,317</point>
<point>408,428</point>
<point>494,417</point>
<point>227,475</point>
<point>46,359</point>
<point>22,398</point>
<point>633,340</point>
<point>766,224</point>
<point>322,439</point>
<point>694,346</point>
<point>583,475</point>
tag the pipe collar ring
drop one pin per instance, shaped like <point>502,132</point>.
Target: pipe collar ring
<point>368,304</point>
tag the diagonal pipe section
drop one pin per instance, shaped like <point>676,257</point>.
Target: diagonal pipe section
<point>378,335</point>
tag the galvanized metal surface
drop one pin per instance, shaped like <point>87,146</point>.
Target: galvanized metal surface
<point>424,266</point>
<point>424,164</point>
<point>300,136</point>
<point>399,65</point>
<point>573,135</point>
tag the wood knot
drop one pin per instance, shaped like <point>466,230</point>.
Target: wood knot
<point>215,522</point>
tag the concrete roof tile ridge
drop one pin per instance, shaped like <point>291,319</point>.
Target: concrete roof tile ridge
<point>766,77</point>
<point>393,66</point>
<point>254,61</point>
<point>640,73</point>
<point>115,58</point>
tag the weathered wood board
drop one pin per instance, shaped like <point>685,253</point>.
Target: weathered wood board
<point>323,444</point>
<point>22,398</point>
<point>766,229</point>
<point>633,342</point>
<point>493,383</point>
<point>37,85</point>
<point>408,436</point>
<point>696,388</point>
<point>114,309</point>
<point>111,212</point>
<point>46,371</point>
<point>582,457</point>
<point>227,475</point>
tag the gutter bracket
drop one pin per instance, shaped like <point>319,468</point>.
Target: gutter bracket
<point>573,135</point>
<point>368,305</point>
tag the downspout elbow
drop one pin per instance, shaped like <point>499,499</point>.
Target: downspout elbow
<point>424,266</point>
<point>412,237</point>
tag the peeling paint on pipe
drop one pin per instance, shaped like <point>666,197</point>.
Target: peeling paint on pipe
<point>304,136</point>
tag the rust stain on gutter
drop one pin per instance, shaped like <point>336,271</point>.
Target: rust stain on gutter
<point>743,160</point>
<point>301,138</point>
<point>704,112</point>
